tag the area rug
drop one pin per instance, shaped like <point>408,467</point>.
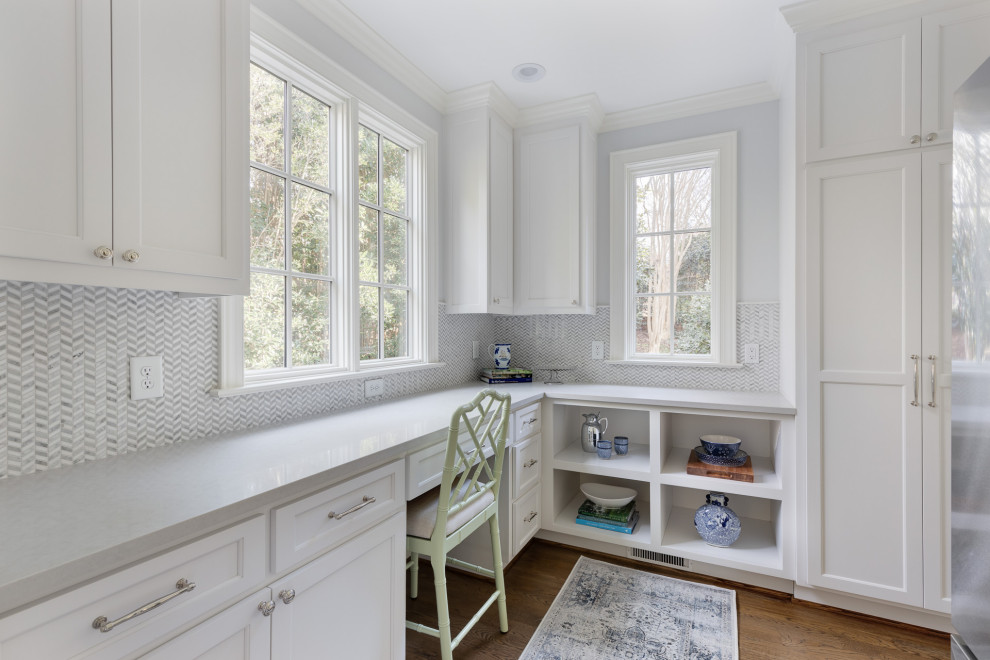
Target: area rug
<point>610,612</point>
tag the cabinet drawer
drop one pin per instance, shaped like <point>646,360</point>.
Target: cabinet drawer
<point>311,525</point>
<point>221,566</point>
<point>526,465</point>
<point>525,422</point>
<point>525,518</point>
<point>424,467</point>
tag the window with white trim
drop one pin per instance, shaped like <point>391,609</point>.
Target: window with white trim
<point>340,237</point>
<point>673,252</point>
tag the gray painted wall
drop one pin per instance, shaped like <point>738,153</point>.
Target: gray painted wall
<point>757,255</point>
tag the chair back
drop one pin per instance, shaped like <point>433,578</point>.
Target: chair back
<point>467,474</point>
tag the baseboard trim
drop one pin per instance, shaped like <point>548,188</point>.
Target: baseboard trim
<point>903,617</point>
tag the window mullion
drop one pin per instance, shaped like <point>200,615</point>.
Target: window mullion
<point>287,238</point>
<point>673,273</point>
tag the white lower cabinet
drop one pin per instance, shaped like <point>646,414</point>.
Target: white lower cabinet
<point>104,620</point>
<point>348,603</point>
<point>241,632</point>
<point>525,519</point>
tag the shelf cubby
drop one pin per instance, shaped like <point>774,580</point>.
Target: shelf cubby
<point>766,482</point>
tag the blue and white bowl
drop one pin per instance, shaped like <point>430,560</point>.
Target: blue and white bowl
<point>720,445</point>
<point>735,460</point>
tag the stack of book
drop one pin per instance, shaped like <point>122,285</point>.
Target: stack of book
<point>622,520</point>
<point>499,376</point>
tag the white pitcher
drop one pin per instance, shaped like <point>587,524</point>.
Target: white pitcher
<point>500,353</point>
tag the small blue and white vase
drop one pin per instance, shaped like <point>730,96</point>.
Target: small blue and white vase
<point>717,524</point>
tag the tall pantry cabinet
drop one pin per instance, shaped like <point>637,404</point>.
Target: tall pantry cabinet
<point>875,97</point>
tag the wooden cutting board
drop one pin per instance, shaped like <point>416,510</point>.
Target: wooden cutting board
<point>742,473</point>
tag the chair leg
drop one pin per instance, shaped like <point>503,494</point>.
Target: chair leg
<point>503,616</point>
<point>414,576</point>
<point>439,562</point>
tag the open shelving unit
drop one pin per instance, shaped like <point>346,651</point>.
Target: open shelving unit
<point>661,441</point>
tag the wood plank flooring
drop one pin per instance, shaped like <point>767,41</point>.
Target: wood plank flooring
<point>771,625</point>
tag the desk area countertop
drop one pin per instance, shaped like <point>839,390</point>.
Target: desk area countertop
<point>65,526</point>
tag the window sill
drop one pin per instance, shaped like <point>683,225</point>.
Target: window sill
<point>301,381</point>
<point>677,363</point>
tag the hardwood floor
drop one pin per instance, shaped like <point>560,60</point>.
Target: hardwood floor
<point>771,625</point>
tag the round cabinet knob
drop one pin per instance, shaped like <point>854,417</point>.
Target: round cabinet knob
<point>131,256</point>
<point>931,137</point>
<point>287,595</point>
<point>497,301</point>
<point>574,302</point>
<point>266,607</point>
<point>103,252</point>
<point>915,139</point>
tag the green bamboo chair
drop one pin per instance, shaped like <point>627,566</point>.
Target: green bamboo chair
<point>439,520</point>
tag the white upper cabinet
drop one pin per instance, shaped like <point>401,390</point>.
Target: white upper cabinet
<point>179,149</point>
<point>126,151</point>
<point>864,91</point>
<point>554,258</point>
<point>478,210</point>
<point>54,128</point>
<point>890,87</point>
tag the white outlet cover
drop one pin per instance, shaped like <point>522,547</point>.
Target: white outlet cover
<point>147,380</point>
<point>598,350</point>
<point>374,387</point>
<point>751,354</point>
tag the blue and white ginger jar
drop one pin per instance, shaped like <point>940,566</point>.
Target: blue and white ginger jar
<point>717,524</point>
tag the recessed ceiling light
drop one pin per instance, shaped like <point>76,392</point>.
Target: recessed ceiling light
<point>529,72</point>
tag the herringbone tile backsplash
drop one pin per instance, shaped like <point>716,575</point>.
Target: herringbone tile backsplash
<point>64,395</point>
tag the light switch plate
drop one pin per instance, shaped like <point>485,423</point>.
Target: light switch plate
<point>147,377</point>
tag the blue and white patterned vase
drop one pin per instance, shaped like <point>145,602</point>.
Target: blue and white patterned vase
<point>717,524</point>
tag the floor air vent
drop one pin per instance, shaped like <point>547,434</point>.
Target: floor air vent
<point>659,558</point>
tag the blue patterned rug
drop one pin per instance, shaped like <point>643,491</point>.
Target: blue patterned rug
<point>610,612</point>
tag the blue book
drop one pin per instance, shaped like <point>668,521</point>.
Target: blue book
<point>626,528</point>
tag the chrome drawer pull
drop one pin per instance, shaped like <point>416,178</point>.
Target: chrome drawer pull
<point>530,463</point>
<point>287,595</point>
<point>365,501</point>
<point>104,625</point>
<point>266,607</point>
<point>531,420</point>
<point>529,518</point>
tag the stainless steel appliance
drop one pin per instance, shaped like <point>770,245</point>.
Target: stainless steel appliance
<point>971,368</point>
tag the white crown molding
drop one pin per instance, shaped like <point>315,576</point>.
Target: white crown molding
<point>484,95</point>
<point>586,107</point>
<point>814,14</point>
<point>693,105</point>
<point>349,26</point>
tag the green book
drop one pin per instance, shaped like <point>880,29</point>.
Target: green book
<point>591,510</point>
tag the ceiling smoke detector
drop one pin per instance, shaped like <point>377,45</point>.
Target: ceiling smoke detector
<point>529,72</point>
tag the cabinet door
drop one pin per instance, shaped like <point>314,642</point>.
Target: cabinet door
<point>936,305</point>
<point>953,44</point>
<point>180,76</point>
<point>240,632</point>
<point>55,174</point>
<point>863,91</point>
<point>349,603</point>
<point>864,413</point>
<point>500,217</point>
<point>548,228</point>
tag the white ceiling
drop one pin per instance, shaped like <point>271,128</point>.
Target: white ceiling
<point>632,53</point>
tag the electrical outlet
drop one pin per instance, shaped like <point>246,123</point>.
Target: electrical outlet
<point>751,353</point>
<point>475,352</point>
<point>597,350</point>
<point>147,378</point>
<point>374,387</point>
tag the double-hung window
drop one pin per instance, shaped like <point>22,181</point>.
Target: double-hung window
<point>673,252</point>
<point>340,237</point>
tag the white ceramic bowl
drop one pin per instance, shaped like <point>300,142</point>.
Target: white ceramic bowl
<point>610,497</point>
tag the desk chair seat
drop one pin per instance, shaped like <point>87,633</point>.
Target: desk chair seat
<point>466,498</point>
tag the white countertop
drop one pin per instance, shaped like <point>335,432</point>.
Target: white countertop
<point>65,526</point>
